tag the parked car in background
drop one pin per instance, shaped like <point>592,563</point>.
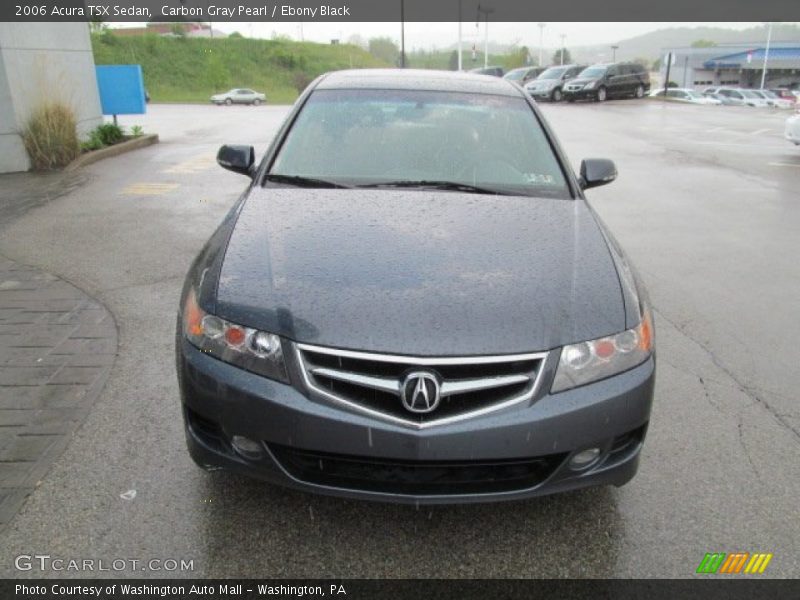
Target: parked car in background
<point>524,74</point>
<point>754,98</point>
<point>685,95</point>
<point>792,131</point>
<point>239,96</point>
<point>493,71</point>
<point>614,80</point>
<point>786,94</point>
<point>729,96</point>
<point>775,100</point>
<point>393,324</point>
<point>549,85</point>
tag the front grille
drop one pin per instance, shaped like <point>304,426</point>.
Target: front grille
<point>415,477</point>
<point>374,383</point>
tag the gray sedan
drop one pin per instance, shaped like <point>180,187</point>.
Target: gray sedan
<point>414,302</point>
<point>239,96</point>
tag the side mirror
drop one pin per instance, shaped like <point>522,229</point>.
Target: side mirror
<point>239,159</point>
<point>597,171</point>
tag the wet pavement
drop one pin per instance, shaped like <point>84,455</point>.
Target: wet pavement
<point>706,205</point>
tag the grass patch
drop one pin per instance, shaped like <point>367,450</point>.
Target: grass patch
<point>192,69</point>
<point>50,136</point>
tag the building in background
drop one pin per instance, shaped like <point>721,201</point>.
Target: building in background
<point>43,61</point>
<point>738,65</point>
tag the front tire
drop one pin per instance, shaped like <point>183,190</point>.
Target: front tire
<point>557,96</point>
<point>640,91</point>
<point>600,95</point>
<point>256,102</point>
<point>228,101</point>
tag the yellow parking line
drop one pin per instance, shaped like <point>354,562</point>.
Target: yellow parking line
<point>148,189</point>
<point>191,166</point>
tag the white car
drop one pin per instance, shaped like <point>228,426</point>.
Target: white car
<point>792,132</point>
<point>774,100</point>
<point>239,96</point>
<point>754,98</point>
<point>685,95</point>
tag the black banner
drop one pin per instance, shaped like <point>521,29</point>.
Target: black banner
<point>400,589</point>
<point>391,10</point>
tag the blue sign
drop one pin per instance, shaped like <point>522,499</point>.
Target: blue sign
<point>121,89</point>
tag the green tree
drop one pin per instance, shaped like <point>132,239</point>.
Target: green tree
<point>453,61</point>
<point>557,56</point>
<point>385,49</point>
<point>703,44</point>
<point>235,36</point>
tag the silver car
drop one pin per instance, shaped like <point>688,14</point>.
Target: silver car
<point>239,96</point>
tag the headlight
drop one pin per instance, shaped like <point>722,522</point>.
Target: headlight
<point>590,85</point>
<point>250,349</point>
<point>597,359</point>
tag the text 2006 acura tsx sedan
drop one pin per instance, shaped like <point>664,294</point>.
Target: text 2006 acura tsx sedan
<point>413,302</point>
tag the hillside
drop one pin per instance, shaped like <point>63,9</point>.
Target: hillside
<point>651,45</point>
<point>178,69</point>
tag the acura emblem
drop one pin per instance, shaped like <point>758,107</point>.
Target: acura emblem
<point>420,393</point>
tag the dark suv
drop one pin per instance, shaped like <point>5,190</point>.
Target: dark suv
<point>614,80</point>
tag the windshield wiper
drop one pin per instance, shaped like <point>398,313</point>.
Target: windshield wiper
<point>301,181</point>
<point>438,185</point>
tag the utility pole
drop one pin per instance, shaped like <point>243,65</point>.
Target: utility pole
<point>402,34</point>
<point>614,53</point>
<point>460,63</point>
<point>563,36</point>
<point>486,12</point>
<point>666,80</point>
<point>541,43</point>
<point>766,55</point>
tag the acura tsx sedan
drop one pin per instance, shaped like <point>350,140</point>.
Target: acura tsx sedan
<point>412,301</point>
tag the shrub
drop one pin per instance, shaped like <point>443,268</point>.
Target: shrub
<point>109,133</point>
<point>51,136</point>
<point>137,131</point>
<point>95,142</point>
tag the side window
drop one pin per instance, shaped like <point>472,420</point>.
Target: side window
<point>612,71</point>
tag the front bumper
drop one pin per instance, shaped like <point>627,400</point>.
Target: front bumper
<point>582,94</point>
<point>310,444</point>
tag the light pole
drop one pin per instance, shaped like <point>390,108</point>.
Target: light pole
<point>541,43</point>
<point>766,55</point>
<point>563,37</point>
<point>614,53</point>
<point>486,12</point>
<point>402,34</point>
<point>459,36</point>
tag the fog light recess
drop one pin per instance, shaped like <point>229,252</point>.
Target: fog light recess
<point>584,459</point>
<point>247,447</point>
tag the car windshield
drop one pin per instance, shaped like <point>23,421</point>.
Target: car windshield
<point>516,74</point>
<point>693,94</point>
<point>769,94</point>
<point>593,72</point>
<point>402,137</point>
<point>553,73</point>
<point>749,94</point>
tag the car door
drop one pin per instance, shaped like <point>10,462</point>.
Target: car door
<point>614,81</point>
<point>243,96</point>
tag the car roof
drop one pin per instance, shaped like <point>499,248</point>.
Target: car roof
<point>418,79</point>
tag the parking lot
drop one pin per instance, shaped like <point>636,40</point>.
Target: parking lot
<point>707,204</point>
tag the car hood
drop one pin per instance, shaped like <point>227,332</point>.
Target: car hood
<point>583,80</point>
<point>419,272</point>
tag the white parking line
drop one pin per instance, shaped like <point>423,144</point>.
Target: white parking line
<point>783,164</point>
<point>759,131</point>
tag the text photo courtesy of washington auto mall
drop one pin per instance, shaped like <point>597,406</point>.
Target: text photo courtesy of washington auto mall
<point>399,299</point>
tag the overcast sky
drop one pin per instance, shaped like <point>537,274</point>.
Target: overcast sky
<point>440,35</point>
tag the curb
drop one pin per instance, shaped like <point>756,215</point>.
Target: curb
<point>121,148</point>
